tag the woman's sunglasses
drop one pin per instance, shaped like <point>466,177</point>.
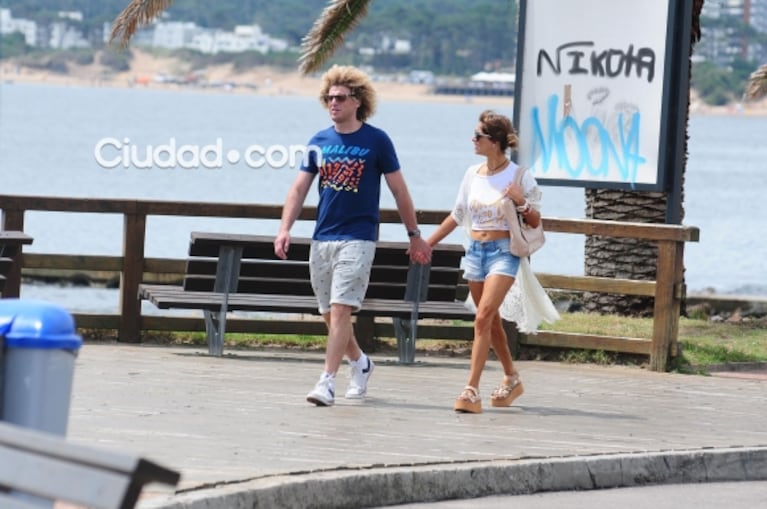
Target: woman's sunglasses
<point>340,98</point>
<point>478,135</point>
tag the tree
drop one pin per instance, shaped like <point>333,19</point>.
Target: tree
<point>337,19</point>
<point>137,13</point>
<point>13,45</point>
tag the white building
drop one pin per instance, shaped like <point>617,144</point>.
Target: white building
<point>757,15</point>
<point>219,41</point>
<point>506,78</point>
<point>724,44</point>
<point>9,25</point>
<point>753,12</point>
<point>65,36</point>
<point>395,46</point>
<point>162,34</point>
<point>73,15</point>
<point>174,34</point>
<point>177,35</point>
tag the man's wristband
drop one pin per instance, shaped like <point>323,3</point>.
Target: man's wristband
<point>415,232</point>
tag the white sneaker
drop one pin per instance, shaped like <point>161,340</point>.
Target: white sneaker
<point>358,385</point>
<point>323,393</point>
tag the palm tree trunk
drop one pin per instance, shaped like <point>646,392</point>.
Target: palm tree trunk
<point>630,258</point>
<point>622,258</point>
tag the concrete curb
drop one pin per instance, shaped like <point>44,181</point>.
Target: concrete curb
<point>382,486</point>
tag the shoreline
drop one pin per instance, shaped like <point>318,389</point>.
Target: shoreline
<point>275,85</point>
<point>147,69</point>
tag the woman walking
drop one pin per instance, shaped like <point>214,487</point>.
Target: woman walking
<point>489,266</point>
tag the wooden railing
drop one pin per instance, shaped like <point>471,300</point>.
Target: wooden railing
<point>134,268</point>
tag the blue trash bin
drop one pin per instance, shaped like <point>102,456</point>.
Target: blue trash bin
<point>40,346</point>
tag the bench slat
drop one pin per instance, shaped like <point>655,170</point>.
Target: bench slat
<point>11,242</point>
<point>262,247</point>
<point>47,466</point>
<point>6,502</point>
<point>9,251</point>
<point>300,270</point>
<point>168,297</point>
<point>255,246</point>
<point>52,479</point>
<point>10,246</point>
<point>253,268</point>
<point>5,264</point>
<point>388,290</point>
<point>253,285</point>
<point>14,237</point>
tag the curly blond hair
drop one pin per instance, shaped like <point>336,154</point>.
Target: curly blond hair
<point>358,83</point>
<point>499,128</point>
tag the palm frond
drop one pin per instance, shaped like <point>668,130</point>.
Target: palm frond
<point>757,84</point>
<point>138,12</point>
<point>338,18</point>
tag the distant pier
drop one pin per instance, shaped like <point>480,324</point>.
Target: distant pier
<point>474,89</point>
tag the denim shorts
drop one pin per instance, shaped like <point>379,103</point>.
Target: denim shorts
<point>483,259</point>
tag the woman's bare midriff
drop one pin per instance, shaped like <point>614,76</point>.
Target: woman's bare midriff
<point>488,235</point>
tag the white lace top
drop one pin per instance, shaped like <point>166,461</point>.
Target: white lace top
<point>480,206</point>
<point>480,197</point>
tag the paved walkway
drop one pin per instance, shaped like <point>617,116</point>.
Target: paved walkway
<point>238,428</point>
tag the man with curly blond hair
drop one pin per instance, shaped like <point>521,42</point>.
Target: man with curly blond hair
<point>355,155</point>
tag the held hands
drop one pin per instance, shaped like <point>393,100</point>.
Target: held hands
<point>419,251</point>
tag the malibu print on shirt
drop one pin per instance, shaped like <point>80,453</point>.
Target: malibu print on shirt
<point>341,170</point>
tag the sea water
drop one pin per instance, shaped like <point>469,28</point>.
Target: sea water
<point>51,139</point>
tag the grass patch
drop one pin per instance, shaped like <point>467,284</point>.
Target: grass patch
<point>604,325</point>
<point>237,340</point>
<point>703,343</point>
<point>599,357</point>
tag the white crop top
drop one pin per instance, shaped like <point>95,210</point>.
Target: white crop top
<point>481,197</point>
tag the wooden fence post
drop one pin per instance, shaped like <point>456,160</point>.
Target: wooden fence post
<point>134,233</point>
<point>668,298</point>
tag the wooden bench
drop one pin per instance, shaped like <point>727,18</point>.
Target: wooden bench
<point>10,269</point>
<point>38,468</point>
<point>227,272</point>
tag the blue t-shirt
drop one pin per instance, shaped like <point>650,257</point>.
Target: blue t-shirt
<point>350,181</point>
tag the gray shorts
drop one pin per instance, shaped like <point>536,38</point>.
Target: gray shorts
<point>340,271</point>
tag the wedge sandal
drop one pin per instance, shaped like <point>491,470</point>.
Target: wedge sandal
<point>509,390</point>
<point>469,401</point>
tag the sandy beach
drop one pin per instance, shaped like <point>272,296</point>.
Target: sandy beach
<point>147,69</point>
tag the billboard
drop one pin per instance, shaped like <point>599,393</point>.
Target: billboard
<point>601,91</point>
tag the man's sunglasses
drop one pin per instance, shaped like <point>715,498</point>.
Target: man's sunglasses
<point>337,97</point>
<point>478,135</point>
